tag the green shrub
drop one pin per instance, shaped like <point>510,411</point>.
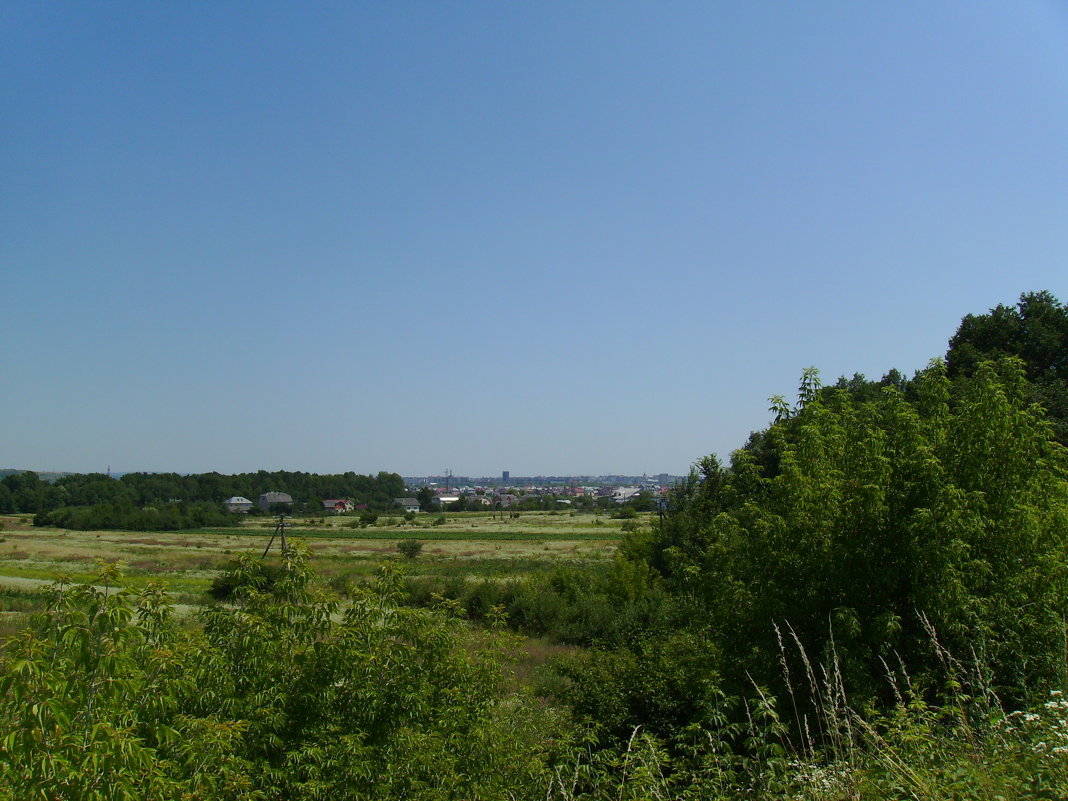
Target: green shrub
<point>244,576</point>
<point>281,696</point>
<point>410,549</point>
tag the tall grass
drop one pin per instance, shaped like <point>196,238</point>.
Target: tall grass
<point>958,742</point>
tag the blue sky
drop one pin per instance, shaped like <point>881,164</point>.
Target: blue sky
<point>550,238</point>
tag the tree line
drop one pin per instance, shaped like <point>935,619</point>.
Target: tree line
<point>27,492</point>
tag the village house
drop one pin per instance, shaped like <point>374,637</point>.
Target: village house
<point>238,504</point>
<point>268,498</point>
<point>338,505</point>
<point>407,504</point>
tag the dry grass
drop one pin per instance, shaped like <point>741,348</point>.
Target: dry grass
<point>535,653</point>
<point>188,562</point>
<point>16,522</point>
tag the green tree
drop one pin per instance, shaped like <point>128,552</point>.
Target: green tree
<point>7,499</point>
<point>1036,331</point>
<point>425,496</point>
<point>952,506</point>
<point>28,490</point>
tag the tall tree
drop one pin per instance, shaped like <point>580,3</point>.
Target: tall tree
<point>1036,331</point>
<point>954,505</point>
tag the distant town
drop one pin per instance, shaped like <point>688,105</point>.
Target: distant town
<point>506,490</point>
<point>555,485</point>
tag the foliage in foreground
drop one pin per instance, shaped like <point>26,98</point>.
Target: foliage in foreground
<point>281,696</point>
<point>285,696</point>
<point>916,751</point>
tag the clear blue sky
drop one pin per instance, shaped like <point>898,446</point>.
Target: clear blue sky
<point>539,237</point>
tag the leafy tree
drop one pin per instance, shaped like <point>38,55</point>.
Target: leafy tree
<point>28,490</point>
<point>245,577</point>
<point>1036,331</point>
<point>952,506</point>
<point>425,496</point>
<point>642,502</point>
<point>90,489</point>
<point>604,503</point>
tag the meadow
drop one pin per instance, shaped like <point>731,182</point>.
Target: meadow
<point>475,545</point>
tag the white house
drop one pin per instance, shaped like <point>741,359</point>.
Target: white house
<point>408,504</point>
<point>238,504</point>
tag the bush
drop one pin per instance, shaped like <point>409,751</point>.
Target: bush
<point>243,576</point>
<point>410,548</point>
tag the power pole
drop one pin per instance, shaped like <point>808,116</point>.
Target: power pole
<point>280,529</point>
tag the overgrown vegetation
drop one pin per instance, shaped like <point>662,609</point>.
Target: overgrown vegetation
<point>578,605</point>
<point>282,695</point>
<point>286,694</point>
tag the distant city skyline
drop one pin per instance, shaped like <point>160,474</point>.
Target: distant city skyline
<point>541,237</point>
<point>434,479</point>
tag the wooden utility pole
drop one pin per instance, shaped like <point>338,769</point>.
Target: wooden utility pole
<point>280,529</point>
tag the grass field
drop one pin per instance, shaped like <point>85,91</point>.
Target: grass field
<point>468,544</point>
